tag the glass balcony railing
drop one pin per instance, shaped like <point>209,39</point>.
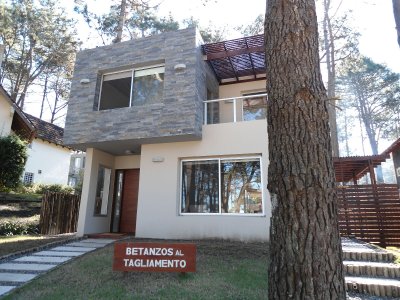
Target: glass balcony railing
<point>237,109</point>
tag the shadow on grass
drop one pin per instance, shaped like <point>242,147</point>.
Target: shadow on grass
<point>14,244</point>
<point>225,270</point>
<point>19,209</point>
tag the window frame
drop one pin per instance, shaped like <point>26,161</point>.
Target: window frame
<point>253,93</point>
<point>30,176</point>
<point>133,70</point>
<point>220,213</point>
<point>109,191</point>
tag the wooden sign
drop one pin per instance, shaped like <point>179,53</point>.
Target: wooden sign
<point>154,257</point>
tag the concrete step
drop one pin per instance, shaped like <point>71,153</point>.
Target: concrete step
<point>17,272</point>
<point>371,269</point>
<point>4,289</point>
<point>15,277</point>
<point>373,286</point>
<point>368,255</point>
<point>26,267</point>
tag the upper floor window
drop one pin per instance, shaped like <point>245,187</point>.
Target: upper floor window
<point>132,88</point>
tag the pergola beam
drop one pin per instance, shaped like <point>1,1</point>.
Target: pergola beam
<point>230,53</point>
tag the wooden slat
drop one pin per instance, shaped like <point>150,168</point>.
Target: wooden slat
<point>231,53</point>
<point>370,213</point>
<point>59,213</point>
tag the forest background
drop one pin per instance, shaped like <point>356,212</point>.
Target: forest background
<point>359,53</point>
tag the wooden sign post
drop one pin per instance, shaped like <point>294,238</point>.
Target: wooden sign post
<point>154,257</point>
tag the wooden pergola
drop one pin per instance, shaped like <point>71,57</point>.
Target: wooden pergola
<point>352,168</point>
<point>237,60</point>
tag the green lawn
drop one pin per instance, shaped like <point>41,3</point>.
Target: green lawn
<point>15,196</point>
<point>225,270</point>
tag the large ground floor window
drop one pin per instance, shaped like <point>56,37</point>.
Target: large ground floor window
<point>222,186</point>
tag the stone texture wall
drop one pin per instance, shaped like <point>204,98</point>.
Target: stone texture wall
<point>180,112</point>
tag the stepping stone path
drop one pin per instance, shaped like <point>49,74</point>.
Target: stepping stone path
<point>18,271</point>
<point>370,270</point>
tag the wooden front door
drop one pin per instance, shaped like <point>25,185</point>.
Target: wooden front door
<point>129,201</point>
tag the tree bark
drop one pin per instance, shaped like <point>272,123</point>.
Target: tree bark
<point>121,22</point>
<point>396,12</point>
<point>306,255</point>
<point>331,70</point>
<point>44,96</point>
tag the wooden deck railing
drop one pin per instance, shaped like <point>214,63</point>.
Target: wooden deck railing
<point>370,213</point>
<point>59,213</point>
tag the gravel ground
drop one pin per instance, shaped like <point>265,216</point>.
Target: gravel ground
<point>355,296</point>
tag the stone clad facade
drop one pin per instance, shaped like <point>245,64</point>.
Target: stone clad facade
<point>178,117</point>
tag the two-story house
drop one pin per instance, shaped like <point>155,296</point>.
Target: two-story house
<point>175,137</point>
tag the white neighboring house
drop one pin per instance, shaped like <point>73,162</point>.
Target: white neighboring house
<point>6,115</point>
<point>48,159</point>
<point>13,119</point>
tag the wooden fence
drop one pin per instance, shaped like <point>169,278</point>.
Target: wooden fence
<point>370,213</point>
<point>59,213</point>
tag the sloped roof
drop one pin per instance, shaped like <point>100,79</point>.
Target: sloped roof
<point>20,123</point>
<point>47,131</point>
<point>237,60</point>
<point>355,167</point>
<point>393,147</point>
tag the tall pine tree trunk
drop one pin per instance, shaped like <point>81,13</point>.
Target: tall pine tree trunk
<point>121,22</point>
<point>396,12</point>
<point>331,71</point>
<point>44,96</point>
<point>306,256</point>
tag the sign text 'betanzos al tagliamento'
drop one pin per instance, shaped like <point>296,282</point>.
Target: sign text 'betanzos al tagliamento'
<point>154,257</point>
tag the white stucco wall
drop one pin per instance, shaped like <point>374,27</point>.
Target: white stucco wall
<point>159,189</point>
<point>52,160</point>
<point>6,116</point>
<point>87,221</point>
<point>127,162</point>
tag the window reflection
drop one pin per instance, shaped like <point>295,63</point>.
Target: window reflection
<point>200,192</point>
<point>237,182</point>
<point>241,185</point>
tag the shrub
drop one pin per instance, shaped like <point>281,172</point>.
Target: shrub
<point>13,156</point>
<point>55,188</point>
<point>39,188</point>
<point>27,189</point>
<point>10,228</point>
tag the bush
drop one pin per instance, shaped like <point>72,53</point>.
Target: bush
<point>10,228</point>
<point>39,188</point>
<point>27,189</point>
<point>13,156</point>
<point>55,188</point>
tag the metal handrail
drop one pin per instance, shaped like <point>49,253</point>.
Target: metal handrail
<point>234,100</point>
<point>237,98</point>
